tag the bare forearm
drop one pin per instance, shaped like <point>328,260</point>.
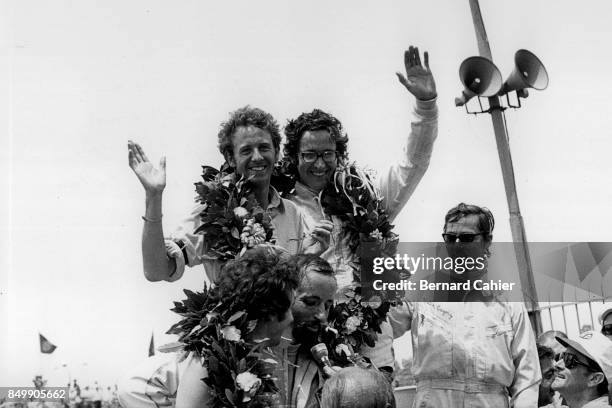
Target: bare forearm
<point>528,398</point>
<point>157,266</point>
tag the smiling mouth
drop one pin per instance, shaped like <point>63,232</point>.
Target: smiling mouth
<point>318,173</point>
<point>257,168</point>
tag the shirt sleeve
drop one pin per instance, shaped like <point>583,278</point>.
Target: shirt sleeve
<point>527,374</point>
<point>185,246</point>
<point>399,182</point>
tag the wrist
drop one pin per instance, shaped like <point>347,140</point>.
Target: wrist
<point>426,108</point>
<point>153,220</point>
<point>428,98</point>
<point>154,195</point>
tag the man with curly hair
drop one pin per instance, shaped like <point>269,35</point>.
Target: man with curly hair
<point>250,143</point>
<point>262,283</point>
<point>316,144</point>
<point>299,376</point>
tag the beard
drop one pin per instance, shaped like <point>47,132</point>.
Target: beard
<point>306,334</point>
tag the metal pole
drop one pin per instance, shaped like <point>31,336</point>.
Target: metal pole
<point>503,148</point>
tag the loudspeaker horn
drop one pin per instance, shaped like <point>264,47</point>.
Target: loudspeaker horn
<point>480,77</point>
<point>529,72</point>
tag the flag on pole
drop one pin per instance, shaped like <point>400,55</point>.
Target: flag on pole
<point>151,346</point>
<point>46,347</point>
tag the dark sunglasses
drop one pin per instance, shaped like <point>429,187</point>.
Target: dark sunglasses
<point>570,361</point>
<point>452,238</point>
<point>606,329</point>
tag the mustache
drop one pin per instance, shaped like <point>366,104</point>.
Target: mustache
<point>309,325</point>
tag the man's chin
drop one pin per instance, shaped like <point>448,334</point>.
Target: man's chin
<point>259,178</point>
<point>306,335</point>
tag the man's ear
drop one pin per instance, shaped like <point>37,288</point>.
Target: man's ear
<point>488,241</point>
<point>596,378</point>
<point>229,159</point>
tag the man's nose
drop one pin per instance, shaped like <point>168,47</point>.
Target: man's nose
<point>256,155</point>
<point>289,317</point>
<point>320,163</point>
<point>322,315</point>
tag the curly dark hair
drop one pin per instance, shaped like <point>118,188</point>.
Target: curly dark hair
<point>486,222</point>
<point>247,116</point>
<point>260,282</point>
<point>315,120</point>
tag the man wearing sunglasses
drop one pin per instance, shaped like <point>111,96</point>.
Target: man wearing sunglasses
<point>316,144</point>
<point>605,319</point>
<point>584,371</point>
<point>479,350</point>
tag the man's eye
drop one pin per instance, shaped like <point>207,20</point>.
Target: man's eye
<point>245,152</point>
<point>310,303</point>
<point>265,148</point>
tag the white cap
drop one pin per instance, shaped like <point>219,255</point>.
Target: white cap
<point>604,314</point>
<point>595,346</point>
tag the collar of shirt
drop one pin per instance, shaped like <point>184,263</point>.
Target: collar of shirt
<point>309,201</point>
<point>275,202</point>
<point>303,191</point>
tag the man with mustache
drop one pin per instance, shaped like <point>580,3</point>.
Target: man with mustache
<point>546,395</point>
<point>477,350</point>
<point>316,144</point>
<point>299,376</point>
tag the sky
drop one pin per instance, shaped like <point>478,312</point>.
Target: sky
<point>80,78</point>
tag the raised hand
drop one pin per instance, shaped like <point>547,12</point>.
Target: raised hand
<point>152,179</point>
<point>419,80</point>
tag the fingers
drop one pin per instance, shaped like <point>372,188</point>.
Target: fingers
<point>132,158</point>
<point>162,163</point>
<point>143,157</point>
<point>325,224</point>
<point>321,234</point>
<point>136,152</point>
<point>407,83</point>
<point>412,58</point>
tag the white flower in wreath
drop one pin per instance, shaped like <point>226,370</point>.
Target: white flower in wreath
<point>249,383</point>
<point>253,234</point>
<point>240,212</point>
<point>351,324</point>
<point>343,349</point>
<point>230,333</point>
<point>376,234</point>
